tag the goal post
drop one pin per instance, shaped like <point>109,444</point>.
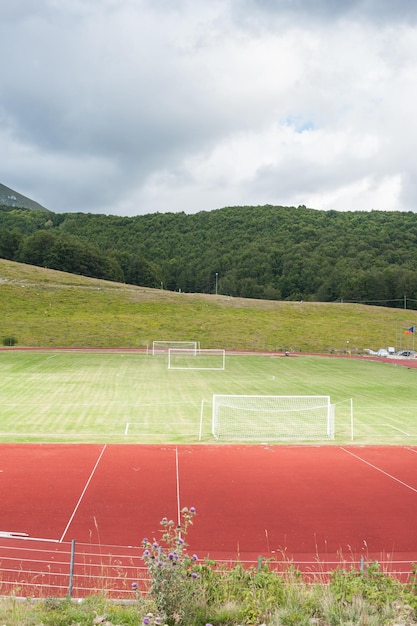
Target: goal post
<point>268,418</point>
<point>163,347</point>
<point>180,359</point>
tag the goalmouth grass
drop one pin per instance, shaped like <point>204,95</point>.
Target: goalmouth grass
<point>132,397</point>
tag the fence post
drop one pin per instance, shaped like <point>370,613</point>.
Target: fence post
<point>71,576</point>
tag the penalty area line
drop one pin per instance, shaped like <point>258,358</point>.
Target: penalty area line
<point>399,430</point>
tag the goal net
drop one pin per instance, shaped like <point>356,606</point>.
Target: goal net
<point>267,418</point>
<point>163,347</point>
<point>180,359</point>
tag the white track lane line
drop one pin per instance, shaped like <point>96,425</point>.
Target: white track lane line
<point>378,469</point>
<point>177,480</point>
<point>82,495</point>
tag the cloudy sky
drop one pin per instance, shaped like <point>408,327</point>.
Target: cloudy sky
<point>129,107</point>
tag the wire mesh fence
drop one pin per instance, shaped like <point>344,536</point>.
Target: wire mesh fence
<point>76,570</point>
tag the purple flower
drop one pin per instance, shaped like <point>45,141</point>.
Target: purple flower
<point>180,540</point>
<point>192,510</point>
<point>194,575</point>
<point>171,556</point>
<point>146,620</point>
<point>134,585</point>
<point>160,564</point>
<point>146,553</point>
<point>155,544</point>
<point>145,540</point>
<point>194,557</point>
<point>158,621</point>
<point>164,521</point>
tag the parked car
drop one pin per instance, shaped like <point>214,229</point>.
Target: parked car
<point>407,353</point>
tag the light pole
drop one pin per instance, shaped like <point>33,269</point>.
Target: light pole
<point>217,281</point>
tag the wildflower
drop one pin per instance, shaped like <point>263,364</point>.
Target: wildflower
<point>171,556</point>
<point>194,557</point>
<point>134,586</point>
<point>155,545</point>
<point>146,620</point>
<point>145,540</point>
<point>158,621</point>
<point>192,510</point>
<point>194,575</point>
<point>164,521</point>
<point>146,553</point>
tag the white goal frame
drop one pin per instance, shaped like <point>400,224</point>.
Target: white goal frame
<point>198,359</point>
<point>269,418</point>
<point>163,347</point>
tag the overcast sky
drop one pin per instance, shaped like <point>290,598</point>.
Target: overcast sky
<point>129,107</point>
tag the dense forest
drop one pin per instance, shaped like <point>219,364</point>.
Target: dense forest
<point>276,253</point>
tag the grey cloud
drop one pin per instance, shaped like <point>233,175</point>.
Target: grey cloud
<point>377,10</point>
<point>131,105</point>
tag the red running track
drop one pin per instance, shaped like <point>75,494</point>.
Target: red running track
<point>304,503</point>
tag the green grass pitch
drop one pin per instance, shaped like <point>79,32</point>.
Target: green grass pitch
<point>132,397</point>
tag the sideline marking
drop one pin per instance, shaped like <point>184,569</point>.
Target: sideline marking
<point>378,469</point>
<point>82,494</point>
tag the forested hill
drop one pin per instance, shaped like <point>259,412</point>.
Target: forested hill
<point>281,253</point>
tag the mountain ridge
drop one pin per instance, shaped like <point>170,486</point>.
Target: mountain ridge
<point>11,198</point>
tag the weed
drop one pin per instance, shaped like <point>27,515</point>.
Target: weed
<point>174,586</point>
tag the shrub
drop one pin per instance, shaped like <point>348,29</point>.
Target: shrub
<point>9,341</point>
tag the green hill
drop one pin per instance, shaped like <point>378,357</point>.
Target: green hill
<point>265,252</point>
<point>48,308</point>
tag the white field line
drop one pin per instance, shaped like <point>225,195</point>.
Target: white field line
<point>24,537</point>
<point>399,430</point>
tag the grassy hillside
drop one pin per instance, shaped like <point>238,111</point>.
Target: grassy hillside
<point>41,307</point>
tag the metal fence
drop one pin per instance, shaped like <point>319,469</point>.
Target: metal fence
<point>40,569</point>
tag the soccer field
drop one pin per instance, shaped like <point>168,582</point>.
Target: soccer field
<point>132,397</point>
